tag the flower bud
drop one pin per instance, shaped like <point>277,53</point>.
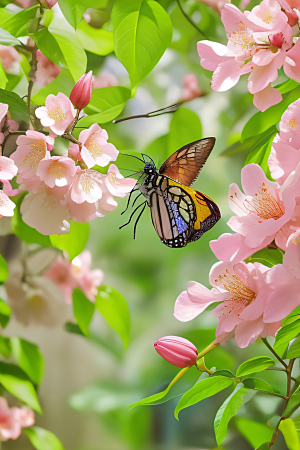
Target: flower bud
<point>177,351</point>
<point>292,17</point>
<point>82,91</point>
<point>276,39</point>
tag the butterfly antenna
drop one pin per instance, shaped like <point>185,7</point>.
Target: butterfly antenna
<point>124,154</point>
<point>133,174</point>
<point>132,215</point>
<point>137,220</point>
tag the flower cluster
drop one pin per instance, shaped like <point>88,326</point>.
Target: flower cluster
<point>260,42</point>
<point>251,295</point>
<point>12,420</point>
<point>70,186</point>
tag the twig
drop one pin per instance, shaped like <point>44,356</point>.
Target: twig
<point>190,20</point>
<point>33,65</point>
<point>158,112</point>
<point>71,138</point>
<point>274,353</point>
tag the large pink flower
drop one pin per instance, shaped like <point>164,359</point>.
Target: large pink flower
<point>13,419</point>
<point>259,42</point>
<point>95,149</point>
<point>87,186</point>
<point>56,171</point>
<point>284,279</point>
<point>58,113</point>
<point>116,184</point>
<point>243,291</point>
<point>46,71</point>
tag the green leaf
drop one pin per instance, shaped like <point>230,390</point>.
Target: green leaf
<point>17,383</point>
<point>95,40</point>
<point>73,53</point>
<point>17,107</point>
<point>289,431</point>
<point>257,434</point>
<point>261,121</point>
<point>261,155</point>
<point>3,77</point>
<point>258,385</point>
<point>204,389</point>
<point>264,446</point>
<point>296,421</point>
<point>72,11</point>
<point>285,335</point>
<point>48,45</point>
<point>185,128</point>
<point>294,350</point>
<point>105,105</point>
<point>113,307</point>
<point>3,269</point>
<point>74,242</point>
<point>287,86</point>
<point>42,439</point>
<point>29,358</point>
<point>5,313</point>
<point>5,347</point>
<point>24,231</point>
<point>250,144</point>
<point>7,39</point>
<point>83,310</point>
<point>294,401</point>
<point>19,24</point>
<point>254,365</point>
<point>268,257</point>
<point>230,407</point>
<point>63,83</point>
<point>142,32</point>
<point>73,328</point>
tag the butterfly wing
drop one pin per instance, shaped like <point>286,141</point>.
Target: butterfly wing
<point>185,164</point>
<point>207,213</point>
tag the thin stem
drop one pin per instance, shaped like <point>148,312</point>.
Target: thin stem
<point>190,20</point>
<point>158,112</point>
<point>33,65</point>
<point>273,351</point>
<point>71,138</point>
<point>279,369</point>
<point>17,132</point>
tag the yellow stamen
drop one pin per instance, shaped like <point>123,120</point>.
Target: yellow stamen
<point>93,147</point>
<point>292,123</point>
<point>37,153</point>
<point>56,169</point>
<point>112,177</point>
<point>56,114</point>
<point>268,18</point>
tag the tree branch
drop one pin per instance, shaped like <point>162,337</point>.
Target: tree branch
<point>33,65</point>
<point>273,351</point>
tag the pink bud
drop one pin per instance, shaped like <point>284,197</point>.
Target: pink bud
<point>292,17</point>
<point>276,39</point>
<point>176,350</point>
<point>51,3</point>
<point>82,91</point>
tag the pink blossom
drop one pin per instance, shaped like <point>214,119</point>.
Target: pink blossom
<point>8,169</point>
<point>6,205</point>
<point>243,291</point>
<point>10,59</point>
<point>87,186</point>
<point>56,171</point>
<point>62,275</point>
<point>284,280</point>
<point>191,87</point>
<point>51,3</point>
<point>47,71</point>
<point>58,113</point>
<point>95,149</point>
<point>116,184</point>
<point>82,91</point>
<point>10,125</point>
<point>290,125</point>
<point>217,5</point>
<point>176,350</point>
<point>290,13</point>
<point>104,80</point>
<point>13,419</point>
<point>251,48</point>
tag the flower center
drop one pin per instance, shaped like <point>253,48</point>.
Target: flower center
<point>112,177</point>
<point>242,38</point>
<point>241,294</point>
<point>56,114</point>
<point>265,205</point>
<point>56,169</point>
<point>268,18</point>
<point>86,183</point>
<point>292,123</point>
<point>93,147</point>
<point>37,153</point>
<point>50,201</point>
<point>4,200</point>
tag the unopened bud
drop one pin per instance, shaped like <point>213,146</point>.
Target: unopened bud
<point>276,39</point>
<point>176,350</point>
<point>82,91</point>
<point>293,17</point>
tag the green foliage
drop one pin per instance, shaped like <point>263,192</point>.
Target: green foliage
<point>95,40</point>
<point>18,384</point>
<point>289,431</point>
<point>29,358</point>
<point>258,385</point>
<point>288,332</point>
<point>185,127</point>
<point>294,401</point>
<point>7,39</point>
<point>5,347</point>
<point>19,24</point>
<point>254,365</point>
<point>268,257</point>
<point>75,241</point>
<point>230,407</point>
<point>3,269</point>
<point>257,434</point>
<point>63,83</point>
<point>294,350</point>
<point>83,310</point>
<point>17,107</point>
<point>142,31</point>
<point>204,389</point>
<point>3,78</point>
<point>260,155</point>
<point>42,439</point>
<point>113,307</point>
<point>5,313</point>
<point>48,45</point>
<point>73,11</point>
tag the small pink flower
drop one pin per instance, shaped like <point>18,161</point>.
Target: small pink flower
<point>191,87</point>
<point>8,169</point>
<point>290,125</point>
<point>176,350</point>
<point>58,113</point>
<point>87,186</point>
<point>284,280</point>
<point>116,184</point>
<point>6,205</point>
<point>10,59</point>
<point>95,149</point>
<point>88,280</point>
<point>217,5</point>
<point>47,71</point>
<point>104,80</point>
<point>62,275</point>
<point>13,419</point>
<point>82,91</point>
<point>56,171</point>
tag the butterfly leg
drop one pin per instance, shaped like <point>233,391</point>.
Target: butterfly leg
<point>132,215</point>
<point>131,192</point>
<point>137,220</point>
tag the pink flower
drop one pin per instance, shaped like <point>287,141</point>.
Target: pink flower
<point>284,280</point>
<point>95,149</point>
<point>104,80</point>
<point>63,276</point>
<point>116,184</point>
<point>6,205</point>
<point>82,91</point>
<point>87,186</point>
<point>259,42</point>
<point>13,419</point>
<point>51,3</point>
<point>217,5</point>
<point>58,113</point>
<point>56,171</point>
<point>190,87</point>
<point>47,71</point>
<point>8,169</point>
<point>290,125</point>
<point>290,13</point>
<point>10,59</point>
<point>243,291</point>
<point>176,350</point>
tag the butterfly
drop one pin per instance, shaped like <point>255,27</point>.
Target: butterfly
<point>179,213</point>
